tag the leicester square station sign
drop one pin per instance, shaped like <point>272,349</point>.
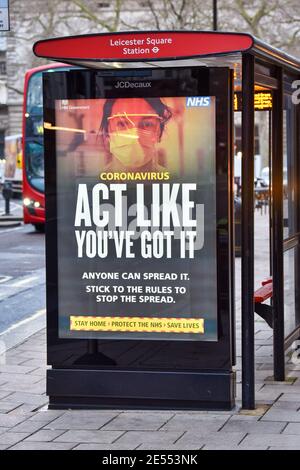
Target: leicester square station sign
<point>142,46</point>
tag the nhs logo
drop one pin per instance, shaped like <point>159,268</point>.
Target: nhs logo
<point>197,101</point>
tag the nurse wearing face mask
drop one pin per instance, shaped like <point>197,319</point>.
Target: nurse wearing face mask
<point>132,128</point>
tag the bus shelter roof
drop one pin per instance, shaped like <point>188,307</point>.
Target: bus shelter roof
<point>159,49</point>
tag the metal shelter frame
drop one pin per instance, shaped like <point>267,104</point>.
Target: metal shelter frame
<point>260,65</point>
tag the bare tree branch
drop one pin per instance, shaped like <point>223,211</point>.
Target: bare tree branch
<point>15,90</point>
<point>154,13</point>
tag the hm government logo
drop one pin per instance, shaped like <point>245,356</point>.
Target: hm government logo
<point>64,104</point>
<point>133,85</point>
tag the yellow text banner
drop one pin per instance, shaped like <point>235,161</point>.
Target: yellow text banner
<point>137,324</point>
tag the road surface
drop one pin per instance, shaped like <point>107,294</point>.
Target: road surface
<point>22,273</point>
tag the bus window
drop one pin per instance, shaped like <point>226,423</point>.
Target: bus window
<point>35,94</point>
<point>34,146</point>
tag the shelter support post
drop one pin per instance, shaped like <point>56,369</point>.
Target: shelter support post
<point>297,198</point>
<point>277,229</point>
<point>248,375</point>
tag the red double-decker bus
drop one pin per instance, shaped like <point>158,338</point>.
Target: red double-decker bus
<point>33,146</point>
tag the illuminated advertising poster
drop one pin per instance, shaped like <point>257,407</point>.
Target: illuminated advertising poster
<point>136,208</point>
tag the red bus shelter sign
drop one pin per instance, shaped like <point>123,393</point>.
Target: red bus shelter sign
<point>142,46</point>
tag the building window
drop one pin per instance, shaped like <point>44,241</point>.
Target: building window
<point>1,144</point>
<point>2,68</point>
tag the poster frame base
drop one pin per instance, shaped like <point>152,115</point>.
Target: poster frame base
<point>127,389</point>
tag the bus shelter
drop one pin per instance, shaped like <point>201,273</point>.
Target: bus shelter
<point>163,357</point>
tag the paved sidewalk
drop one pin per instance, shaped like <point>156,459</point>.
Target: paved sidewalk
<point>16,213</point>
<point>25,422</point>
